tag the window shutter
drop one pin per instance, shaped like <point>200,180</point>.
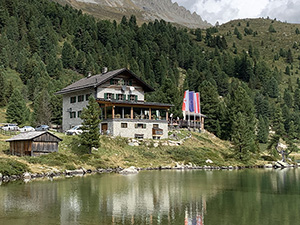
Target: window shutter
<point>105,95</point>
<point>144,125</point>
<point>136,126</point>
<point>111,81</point>
<point>112,96</point>
<point>135,97</point>
<point>130,82</point>
<point>124,97</point>
<point>128,97</point>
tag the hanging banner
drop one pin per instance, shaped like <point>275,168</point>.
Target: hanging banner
<point>191,101</point>
<point>185,104</point>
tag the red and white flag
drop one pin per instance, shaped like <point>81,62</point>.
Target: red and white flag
<point>197,102</point>
<point>185,104</point>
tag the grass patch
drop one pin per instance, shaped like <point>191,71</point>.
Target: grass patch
<point>10,167</point>
<point>53,159</point>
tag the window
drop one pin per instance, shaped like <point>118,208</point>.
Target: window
<point>117,81</point>
<point>72,115</point>
<point>140,125</point>
<point>124,125</point>
<point>73,99</point>
<point>108,96</point>
<point>80,98</point>
<point>132,97</point>
<point>155,126</point>
<point>139,136</point>
<point>121,97</point>
<point>79,114</point>
<point>87,96</point>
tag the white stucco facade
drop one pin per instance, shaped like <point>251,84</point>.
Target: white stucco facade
<point>136,91</point>
<point>120,94</point>
<point>135,128</point>
<point>74,108</point>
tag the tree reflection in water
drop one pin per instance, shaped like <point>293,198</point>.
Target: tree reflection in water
<point>158,197</point>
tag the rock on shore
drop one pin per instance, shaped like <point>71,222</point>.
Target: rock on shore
<point>130,170</point>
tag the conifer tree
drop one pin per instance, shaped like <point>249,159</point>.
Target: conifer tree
<point>17,111</point>
<point>263,130</point>
<point>41,108</point>
<point>68,56</point>
<point>90,116</point>
<point>2,89</point>
<point>242,138</point>
<point>240,103</point>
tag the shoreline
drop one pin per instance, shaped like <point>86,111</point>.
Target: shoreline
<point>26,177</point>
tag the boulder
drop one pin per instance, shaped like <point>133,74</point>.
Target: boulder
<point>74,172</point>
<point>268,166</point>
<point>155,145</point>
<point>281,164</point>
<point>179,166</point>
<point>130,170</point>
<point>209,161</point>
<point>26,176</point>
<point>133,144</point>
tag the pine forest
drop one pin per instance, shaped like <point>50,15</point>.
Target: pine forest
<point>247,77</point>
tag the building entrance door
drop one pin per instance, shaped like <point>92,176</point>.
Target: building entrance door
<point>104,128</point>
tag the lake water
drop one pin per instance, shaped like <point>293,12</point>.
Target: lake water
<point>192,197</point>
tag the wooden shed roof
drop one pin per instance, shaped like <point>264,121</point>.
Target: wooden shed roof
<point>31,136</point>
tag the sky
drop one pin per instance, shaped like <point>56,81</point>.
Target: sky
<point>226,10</point>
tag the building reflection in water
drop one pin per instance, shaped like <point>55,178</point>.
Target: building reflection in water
<point>156,197</point>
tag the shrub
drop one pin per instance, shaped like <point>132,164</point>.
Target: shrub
<point>52,159</point>
<point>10,167</point>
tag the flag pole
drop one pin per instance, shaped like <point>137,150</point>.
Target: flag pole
<point>200,113</point>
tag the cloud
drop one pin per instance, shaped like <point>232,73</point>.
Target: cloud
<point>284,10</point>
<point>226,10</point>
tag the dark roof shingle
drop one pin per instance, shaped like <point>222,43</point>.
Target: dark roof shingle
<point>99,79</point>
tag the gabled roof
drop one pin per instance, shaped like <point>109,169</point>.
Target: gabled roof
<point>96,80</point>
<point>30,136</point>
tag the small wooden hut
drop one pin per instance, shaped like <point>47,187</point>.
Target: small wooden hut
<point>33,143</point>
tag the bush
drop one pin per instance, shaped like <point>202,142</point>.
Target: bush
<point>52,159</point>
<point>10,167</point>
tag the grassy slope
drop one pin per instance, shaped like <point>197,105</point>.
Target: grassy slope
<point>284,38</point>
<point>116,152</point>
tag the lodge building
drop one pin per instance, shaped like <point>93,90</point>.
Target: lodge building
<point>124,111</point>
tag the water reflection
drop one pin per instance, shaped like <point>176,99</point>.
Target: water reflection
<point>157,197</point>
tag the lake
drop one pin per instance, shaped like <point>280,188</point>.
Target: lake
<point>194,197</point>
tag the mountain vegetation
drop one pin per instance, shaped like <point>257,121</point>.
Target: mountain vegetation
<point>246,70</point>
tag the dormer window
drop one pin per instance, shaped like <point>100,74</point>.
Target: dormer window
<point>108,96</point>
<point>121,97</point>
<point>120,81</point>
<point>133,98</point>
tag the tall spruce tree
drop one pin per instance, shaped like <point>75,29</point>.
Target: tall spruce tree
<point>242,137</point>
<point>42,109</point>
<point>241,104</point>
<point>17,111</point>
<point>262,129</point>
<point>91,119</point>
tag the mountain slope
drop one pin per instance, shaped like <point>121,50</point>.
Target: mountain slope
<point>144,10</point>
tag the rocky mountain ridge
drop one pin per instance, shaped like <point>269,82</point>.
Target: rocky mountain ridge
<point>144,10</point>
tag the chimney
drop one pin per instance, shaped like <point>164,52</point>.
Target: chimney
<point>104,70</point>
<point>89,74</point>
